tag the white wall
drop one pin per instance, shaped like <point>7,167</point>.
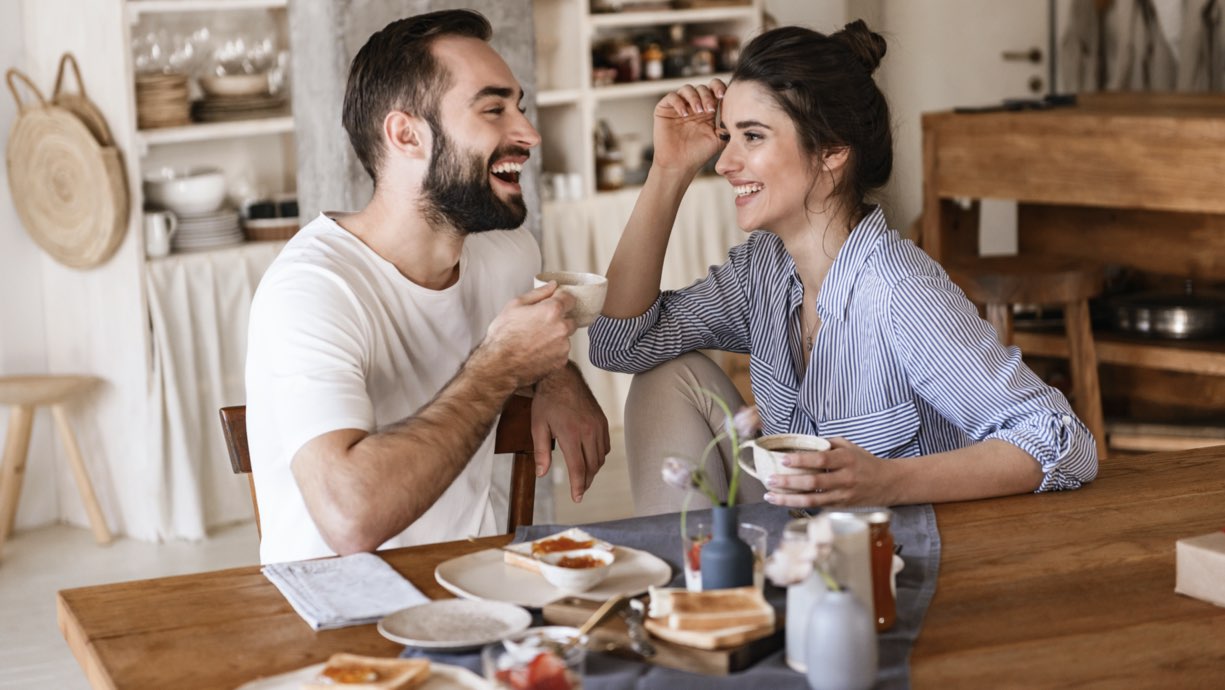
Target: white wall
<point>22,327</point>
<point>820,15</point>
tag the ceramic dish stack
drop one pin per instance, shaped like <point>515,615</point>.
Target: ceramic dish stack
<point>198,232</point>
<point>237,97</point>
<point>226,108</point>
<point>162,100</point>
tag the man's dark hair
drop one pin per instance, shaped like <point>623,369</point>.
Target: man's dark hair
<point>395,70</point>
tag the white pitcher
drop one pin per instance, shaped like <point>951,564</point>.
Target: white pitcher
<point>160,226</point>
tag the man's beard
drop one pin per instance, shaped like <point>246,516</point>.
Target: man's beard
<point>457,191</point>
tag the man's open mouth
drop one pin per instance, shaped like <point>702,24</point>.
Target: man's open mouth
<point>507,171</point>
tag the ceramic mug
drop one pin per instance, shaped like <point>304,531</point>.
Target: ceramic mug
<point>160,226</point>
<point>768,452</point>
<point>588,290</point>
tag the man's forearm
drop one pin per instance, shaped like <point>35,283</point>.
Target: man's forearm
<point>389,479</point>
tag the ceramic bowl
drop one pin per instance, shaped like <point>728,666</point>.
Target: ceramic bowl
<point>575,579</point>
<point>235,84</point>
<point>588,290</point>
<point>186,191</point>
<point>768,452</point>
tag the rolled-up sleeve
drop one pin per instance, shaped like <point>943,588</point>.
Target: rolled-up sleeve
<point>956,364</point>
<point>712,313</point>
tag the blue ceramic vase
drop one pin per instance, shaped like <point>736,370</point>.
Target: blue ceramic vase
<point>841,644</point>
<point>727,561</point>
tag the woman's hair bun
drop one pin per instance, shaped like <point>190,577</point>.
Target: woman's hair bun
<point>867,45</point>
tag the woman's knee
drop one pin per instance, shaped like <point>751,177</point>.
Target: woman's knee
<point>687,376</point>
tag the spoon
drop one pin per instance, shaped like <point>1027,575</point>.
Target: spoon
<point>601,614</point>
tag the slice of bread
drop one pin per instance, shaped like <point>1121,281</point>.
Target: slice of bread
<point>370,673</point>
<point>711,610</point>
<point>523,555</point>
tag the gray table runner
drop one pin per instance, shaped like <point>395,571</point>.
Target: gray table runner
<point>914,527</point>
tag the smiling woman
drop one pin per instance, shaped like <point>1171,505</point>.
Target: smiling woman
<point>853,333</point>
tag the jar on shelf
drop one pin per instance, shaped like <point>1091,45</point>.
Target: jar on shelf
<point>676,55</point>
<point>627,61</point>
<point>704,60</point>
<point>609,162</point>
<point>653,62</point>
<point>729,52</point>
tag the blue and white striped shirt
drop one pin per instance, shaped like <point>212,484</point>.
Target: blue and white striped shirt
<point>902,365</point>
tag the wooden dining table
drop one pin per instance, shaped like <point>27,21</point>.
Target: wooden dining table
<point>1044,590</point>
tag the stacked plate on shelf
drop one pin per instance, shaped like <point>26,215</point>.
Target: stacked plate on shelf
<point>162,100</point>
<point>202,231</point>
<point>225,108</point>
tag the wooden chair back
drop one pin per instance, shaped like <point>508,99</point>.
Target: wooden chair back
<point>513,435</point>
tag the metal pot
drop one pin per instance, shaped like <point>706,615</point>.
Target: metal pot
<point>1170,315</point>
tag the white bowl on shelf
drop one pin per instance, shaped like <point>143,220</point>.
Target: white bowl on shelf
<point>186,190</point>
<point>235,84</point>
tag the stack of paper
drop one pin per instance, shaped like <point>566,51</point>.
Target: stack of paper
<point>339,592</point>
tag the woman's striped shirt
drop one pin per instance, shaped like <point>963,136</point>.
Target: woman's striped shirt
<point>902,365</point>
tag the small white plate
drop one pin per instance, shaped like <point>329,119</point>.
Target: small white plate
<point>483,575</point>
<point>454,625</point>
<point>442,676</point>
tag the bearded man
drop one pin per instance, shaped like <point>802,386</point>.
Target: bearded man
<point>384,343</point>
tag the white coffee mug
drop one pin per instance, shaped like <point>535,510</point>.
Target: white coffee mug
<point>160,226</point>
<point>588,290</point>
<point>768,452</point>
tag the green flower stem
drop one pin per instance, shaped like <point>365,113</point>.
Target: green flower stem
<point>735,439</point>
<point>684,513</point>
<point>700,476</point>
<point>830,583</point>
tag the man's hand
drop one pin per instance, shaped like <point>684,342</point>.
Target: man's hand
<point>530,337</point>
<point>563,408</point>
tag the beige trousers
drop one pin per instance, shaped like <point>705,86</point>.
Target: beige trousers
<point>667,414</point>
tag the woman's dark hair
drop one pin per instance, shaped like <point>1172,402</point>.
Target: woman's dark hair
<point>395,70</point>
<point>824,84</point>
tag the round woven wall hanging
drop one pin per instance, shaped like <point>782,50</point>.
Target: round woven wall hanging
<point>69,190</point>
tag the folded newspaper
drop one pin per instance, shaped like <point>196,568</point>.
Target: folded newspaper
<point>339,592</point>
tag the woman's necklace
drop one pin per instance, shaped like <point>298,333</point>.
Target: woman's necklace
<point>810,331</point>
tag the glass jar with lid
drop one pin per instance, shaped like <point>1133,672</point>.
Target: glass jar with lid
<point>880,541</point>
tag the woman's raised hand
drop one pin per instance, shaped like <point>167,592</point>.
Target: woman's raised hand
<point>686,127</point>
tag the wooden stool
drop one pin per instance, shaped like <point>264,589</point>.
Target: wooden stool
<point>1000,282</point>
<point>25,393</point>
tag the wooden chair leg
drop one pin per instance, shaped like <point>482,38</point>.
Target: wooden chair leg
<point>522,485</point>
<point>16,446</point>
<point>1000,316</point>
<point>1082,360</point>
<point>97,522</point>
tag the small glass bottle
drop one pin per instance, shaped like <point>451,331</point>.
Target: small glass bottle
<point>653,63</point>
<point>610,163</point>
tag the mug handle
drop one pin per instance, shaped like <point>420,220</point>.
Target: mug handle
<point>751,466</point>
<point>172,221</point>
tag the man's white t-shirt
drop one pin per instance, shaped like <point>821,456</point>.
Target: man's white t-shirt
<point>339,339</point>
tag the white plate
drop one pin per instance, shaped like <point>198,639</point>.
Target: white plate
<point>484,576</point>
<point>454,625</point>
<point>442,676</point>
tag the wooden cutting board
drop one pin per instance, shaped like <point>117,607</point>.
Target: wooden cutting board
<point>613,637</point>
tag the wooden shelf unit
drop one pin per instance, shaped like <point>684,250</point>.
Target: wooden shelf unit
<point>1126,179</point>
<point>569,106</point>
